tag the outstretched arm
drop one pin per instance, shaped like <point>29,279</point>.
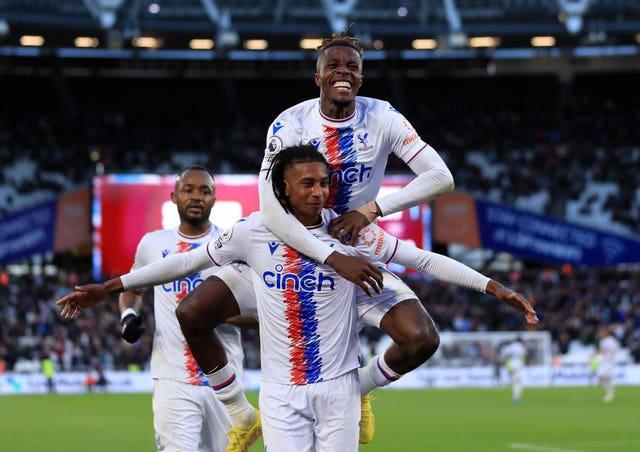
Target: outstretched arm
<point>439,266</point>
<point>513,299</point>
<point>446,269</point>
<point>165,270</point>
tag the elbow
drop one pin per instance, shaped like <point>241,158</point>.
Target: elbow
<point>445,181</point>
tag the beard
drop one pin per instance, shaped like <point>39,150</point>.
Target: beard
<point>195,220</point>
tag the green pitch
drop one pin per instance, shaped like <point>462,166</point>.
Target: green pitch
<point>548,420</point>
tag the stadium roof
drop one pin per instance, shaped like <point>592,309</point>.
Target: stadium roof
<point>389,29</point>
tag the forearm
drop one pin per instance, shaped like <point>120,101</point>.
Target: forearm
<point>441,267</point>
<point>113,286</point>
<point>131,299</point>
<point>286,226</point>
<point>433,179</point>
<point>169,269</point>
<point>493,287</point>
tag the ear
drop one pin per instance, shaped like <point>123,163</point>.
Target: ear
<point>174,198</point>
<point>317,79</point>
<point>286,188</point>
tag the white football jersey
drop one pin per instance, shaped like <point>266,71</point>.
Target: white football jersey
<point>357,147</point>
<point>608,347</point>
<point>171,357</point>
<point>515,354</point>
<point>308,318</point>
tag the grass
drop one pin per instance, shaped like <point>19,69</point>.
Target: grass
<point>548,420</point>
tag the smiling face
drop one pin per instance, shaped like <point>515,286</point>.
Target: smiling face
<point>339,77</point>
<point>307,188</point>
<point>194,195</point>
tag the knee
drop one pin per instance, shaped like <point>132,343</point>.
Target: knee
<point>414,331</point>
<point>425,340</point>
<point>191,317</point>
<point>185,316</point>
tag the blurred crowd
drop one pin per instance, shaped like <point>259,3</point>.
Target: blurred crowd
<point>571,304</point>
<point>520,141</point>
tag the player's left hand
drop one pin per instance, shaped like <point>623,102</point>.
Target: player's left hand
<point>346,227</point>
<point>517,301</point>
<point>132,328</point>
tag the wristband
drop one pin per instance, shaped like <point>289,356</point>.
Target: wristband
<point>126,312</point>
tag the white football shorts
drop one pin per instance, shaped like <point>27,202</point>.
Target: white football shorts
<point>371,310</point>
<point>323,416</point>
<point>188,418</point>
<point>238,278</point>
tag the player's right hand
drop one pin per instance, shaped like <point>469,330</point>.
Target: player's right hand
<point>84,297</point>
<point>132,328</point>
<point>357,270</point>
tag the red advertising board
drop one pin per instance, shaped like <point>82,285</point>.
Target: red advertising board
<point>126,206</point>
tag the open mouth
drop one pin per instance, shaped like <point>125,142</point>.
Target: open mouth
<point>342,85</point>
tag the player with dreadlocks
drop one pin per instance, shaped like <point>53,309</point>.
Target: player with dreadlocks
<point>357,135</point>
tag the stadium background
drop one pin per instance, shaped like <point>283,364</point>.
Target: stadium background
<point>547,130</point>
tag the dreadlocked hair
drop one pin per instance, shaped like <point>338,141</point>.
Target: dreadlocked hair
<point>341,39</point>
<point>283,161</point>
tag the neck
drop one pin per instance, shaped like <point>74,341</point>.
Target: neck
<point>194,230</point>
<point>337,111</point>
<point>310,222</point>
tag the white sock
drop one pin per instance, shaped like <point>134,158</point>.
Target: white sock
<point>230,392</point>
<point>376,374</point>
<point>517,390</point>
<point>608,387</point>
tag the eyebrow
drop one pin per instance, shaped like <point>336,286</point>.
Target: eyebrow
<point>197,186</point>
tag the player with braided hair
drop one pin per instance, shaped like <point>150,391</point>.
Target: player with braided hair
<point>342,39</point>
<point>357,134</point>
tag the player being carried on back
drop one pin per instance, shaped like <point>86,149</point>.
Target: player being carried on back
<point>357,134</point>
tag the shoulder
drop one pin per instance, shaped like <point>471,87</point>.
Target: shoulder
<point>215,231</point>
<point>159,235</point>
<point>294,112</point>
<point>154,244</point>
<point>249,224</point>
<point>377,106</point>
